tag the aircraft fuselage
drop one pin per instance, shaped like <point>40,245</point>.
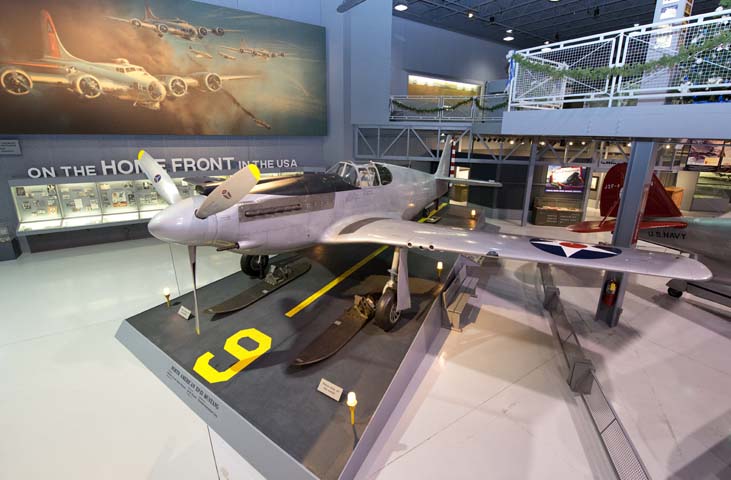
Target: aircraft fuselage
<point>277,222</point>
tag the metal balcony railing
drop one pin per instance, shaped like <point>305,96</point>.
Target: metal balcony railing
<point>675,61</point>
<point>484,108</point>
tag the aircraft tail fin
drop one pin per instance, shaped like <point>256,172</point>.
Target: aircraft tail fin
<point>52,46</point>
<point>446,165</point>
<point>149,15</point>
<point>659,203</point>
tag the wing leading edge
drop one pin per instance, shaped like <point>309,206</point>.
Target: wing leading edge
<point>408,234</point>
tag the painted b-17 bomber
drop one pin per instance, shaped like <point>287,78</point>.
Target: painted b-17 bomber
<point>254,52</point>
<point>363,203</point>
<point>91,80</point>
<point>175,26</point>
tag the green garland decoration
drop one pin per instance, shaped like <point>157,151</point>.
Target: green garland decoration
<point>467,100</point>
<point>685,54</point>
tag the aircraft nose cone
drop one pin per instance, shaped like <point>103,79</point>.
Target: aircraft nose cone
<point>178,224</point>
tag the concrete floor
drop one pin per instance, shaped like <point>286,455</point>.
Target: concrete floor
<point>490,401</point>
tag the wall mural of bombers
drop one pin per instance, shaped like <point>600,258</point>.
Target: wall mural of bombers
<point>116,67</point>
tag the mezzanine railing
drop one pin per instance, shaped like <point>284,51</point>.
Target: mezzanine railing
<point>675,61</point>
<point>484,108</point>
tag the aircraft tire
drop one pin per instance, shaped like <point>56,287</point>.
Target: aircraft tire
<point>674,293</point>
<point>386,315</point>
<point>254,265</point>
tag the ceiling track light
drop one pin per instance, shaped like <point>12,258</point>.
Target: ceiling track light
<point>508,38</point>
<point>400,6</point>
<point>470,14</point>
<point>509,30</point>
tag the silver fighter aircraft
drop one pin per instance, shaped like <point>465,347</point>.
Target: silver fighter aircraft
<point>91,80</point>
<point>174,26</point>
<point>364,203</point>
<point>708,239</point>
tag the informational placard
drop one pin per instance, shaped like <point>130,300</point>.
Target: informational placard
<point>10,147</point>
<point>330,389</point>
<point>184,312</point>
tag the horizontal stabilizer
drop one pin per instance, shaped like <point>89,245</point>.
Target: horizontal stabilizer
<point>599,226</point>
<point>468,181</point>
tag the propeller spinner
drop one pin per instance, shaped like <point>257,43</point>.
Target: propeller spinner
<point>182,222</point>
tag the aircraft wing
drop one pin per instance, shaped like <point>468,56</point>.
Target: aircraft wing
<point>237,77</point>
<point>142,24</point>
<point>469,181</point>
<point>402,233</point>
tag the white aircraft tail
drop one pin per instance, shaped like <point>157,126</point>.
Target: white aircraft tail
<point>52,46</point>
<point>444,169</point>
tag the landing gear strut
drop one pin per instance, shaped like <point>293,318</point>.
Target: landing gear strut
<point>254,265</point>
<point>396,296</point>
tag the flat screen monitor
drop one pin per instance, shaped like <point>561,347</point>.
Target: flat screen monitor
<point>565,179</point>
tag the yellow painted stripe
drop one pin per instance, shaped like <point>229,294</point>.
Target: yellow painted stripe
<point>334,282</point>
<point>330,285</point>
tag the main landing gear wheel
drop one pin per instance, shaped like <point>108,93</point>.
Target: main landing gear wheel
<point>386,315</point>
<point>674,293</point>
<point>254,265</point>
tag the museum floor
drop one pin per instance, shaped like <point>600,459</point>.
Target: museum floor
<point>492,400</point>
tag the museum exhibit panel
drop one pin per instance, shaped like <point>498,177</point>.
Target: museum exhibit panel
<point>346,239</point>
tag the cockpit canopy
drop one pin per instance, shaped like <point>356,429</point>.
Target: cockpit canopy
<point>367,175</point>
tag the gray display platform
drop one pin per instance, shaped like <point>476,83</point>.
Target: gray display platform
<point>272,413</point>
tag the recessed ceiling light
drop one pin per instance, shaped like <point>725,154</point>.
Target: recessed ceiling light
<point>637,24</point>
<point>546,42</point>
<point>400,6</point>
<point>509,30</point>
<point>554,1</point>
<point>470,14</point>
<point>508,38</point>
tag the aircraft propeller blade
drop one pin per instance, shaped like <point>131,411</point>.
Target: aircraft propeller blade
<point>191,256</point>
<point>160,179</point>
<point>229,192</point>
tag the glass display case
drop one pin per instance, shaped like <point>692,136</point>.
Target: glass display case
<point>77,205</point>
<point>79,200</point>
<point>36,203</point>
<point>118,197</point>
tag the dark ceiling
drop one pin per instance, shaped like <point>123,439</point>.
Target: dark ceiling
<point>535,21</point>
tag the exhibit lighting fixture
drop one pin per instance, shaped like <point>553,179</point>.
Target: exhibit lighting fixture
<point>571,143</point>
<point>470,14</point>
<point>473,213</point>
<point>166,294</point>
<point>508,38</point>
<point>400,6</point>
<point>629,144</point>
<point>545,49</point>
<point>553,1</point>
<point>637,24</point>
<point>351,402</point>
<point>512,142</point>
<point>509,30</point>
<point>583,143</point>
<point>440,268</point>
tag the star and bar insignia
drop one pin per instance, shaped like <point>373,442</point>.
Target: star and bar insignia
<point>579,251</point>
